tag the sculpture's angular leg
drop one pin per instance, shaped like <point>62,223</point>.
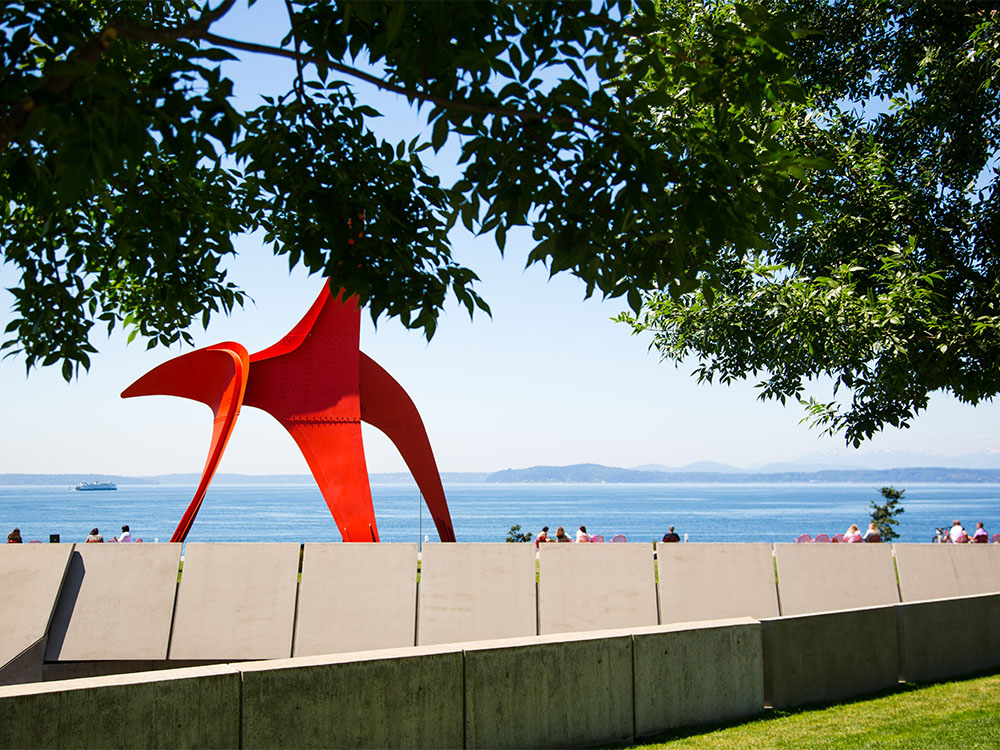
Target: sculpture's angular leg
<point>385,405</point>
<point>215,376</point>
<point>308,381</point>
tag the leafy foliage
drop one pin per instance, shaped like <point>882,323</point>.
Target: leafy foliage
<point>516,536</point>
<point>884,275</point>
<point>127,171</point>
<point>884,514</point>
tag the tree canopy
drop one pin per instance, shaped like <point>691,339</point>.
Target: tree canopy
<point>885,283</point>
<point>127,170</point>
<point>799,191</point>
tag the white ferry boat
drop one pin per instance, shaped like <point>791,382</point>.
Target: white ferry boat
<point>88,486</point>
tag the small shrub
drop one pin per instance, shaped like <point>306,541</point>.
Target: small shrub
<point>884,515</point>
<point>516,535</point>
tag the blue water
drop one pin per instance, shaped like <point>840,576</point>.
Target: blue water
<point>485,512</point>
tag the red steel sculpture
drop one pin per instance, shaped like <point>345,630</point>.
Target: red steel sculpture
<point>320,386</point>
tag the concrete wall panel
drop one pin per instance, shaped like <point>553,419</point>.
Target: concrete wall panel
<point>585,587</point>
<point>827,577</point>
<point>116,603</point>
<point>937,571</point>
<point>405,698</point>
<point>715,581</point>
<point>30,578</point>
<point>236,601</point>
<point>189,708</point>
<point>471,592</point>
<point>356,597</point>
<point>974,568</point>
<point>697,673</point>
<point>549,691</point>
<point>926,571</point>
<point>829,656</point>
<point>946,638</point>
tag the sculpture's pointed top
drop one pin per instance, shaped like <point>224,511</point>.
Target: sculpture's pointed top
<point>323,313</point>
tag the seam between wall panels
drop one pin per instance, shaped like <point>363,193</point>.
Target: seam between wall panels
<point>173,620</point>
<point>239,738</point>
<point>777,587</point>
<point>295,610</point>
<point>465,700</point>
<point>632,650</point>
<point>895,570</point>
<point>416,615</point>
<point>538,611</point>
<point>659,612</point>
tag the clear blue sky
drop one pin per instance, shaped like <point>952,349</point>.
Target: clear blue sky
<point>550,379</point>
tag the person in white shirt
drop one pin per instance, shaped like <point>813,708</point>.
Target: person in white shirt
<point>126,536</point>
<point>582,535</point>
<point>957,533</point>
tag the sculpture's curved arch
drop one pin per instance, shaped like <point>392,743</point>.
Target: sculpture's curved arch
<point>215,376</point>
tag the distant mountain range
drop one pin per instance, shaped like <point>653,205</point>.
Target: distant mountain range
<point>586,473</point>
<point>71,480</point>
<point>704,472</point>
<point>840,460</point>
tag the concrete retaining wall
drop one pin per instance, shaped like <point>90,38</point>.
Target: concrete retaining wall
<point>537,692</point>
<point>405,698</point>
<point>949,637</point>
<point>191,708</point>
<point>542,691</point>
<point>828,657</point>
<point>697,673</point>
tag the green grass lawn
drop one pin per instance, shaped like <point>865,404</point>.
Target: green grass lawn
<point>962,714</point>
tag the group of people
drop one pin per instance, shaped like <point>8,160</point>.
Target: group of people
<point>853,534</point>
<point>97,538</point>
<point>561,536</point>
<point>958,535</point>
<point>14,537</point>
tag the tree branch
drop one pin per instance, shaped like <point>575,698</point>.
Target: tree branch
<point>90,52</point>
<point>199,29</point>
<point>193,30</point>
<point>507,112</point>
<point>300,86</point>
